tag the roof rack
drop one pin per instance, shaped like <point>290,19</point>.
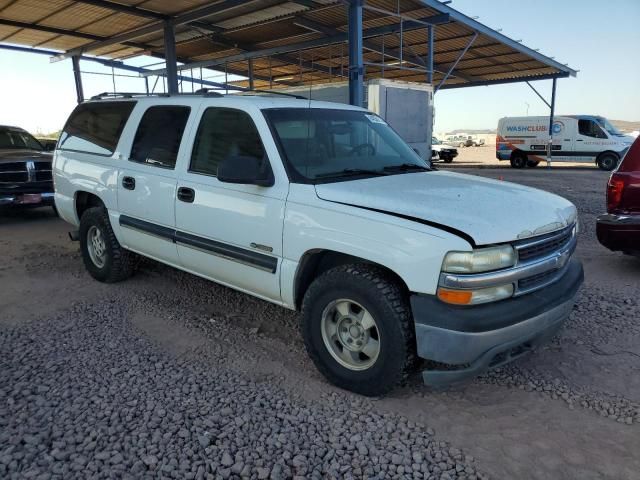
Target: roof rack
<point>214,91</point>
<point>210,92</point>
<point>127,95</point>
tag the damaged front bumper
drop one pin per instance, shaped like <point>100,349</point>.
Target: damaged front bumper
<point>471,340</point>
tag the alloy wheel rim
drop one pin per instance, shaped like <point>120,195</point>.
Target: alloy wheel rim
<point>96,246</point>
<point>350,334</point>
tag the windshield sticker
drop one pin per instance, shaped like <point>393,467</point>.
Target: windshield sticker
<point>375,119</point>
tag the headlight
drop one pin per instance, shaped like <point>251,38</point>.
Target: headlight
<point>481,260</point>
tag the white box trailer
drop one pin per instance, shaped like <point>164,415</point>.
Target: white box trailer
<point>576,138</point>
<point>406,106</point>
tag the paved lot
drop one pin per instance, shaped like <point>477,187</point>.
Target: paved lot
<point>170,376</point>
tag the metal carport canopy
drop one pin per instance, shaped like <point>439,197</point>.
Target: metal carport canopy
<point>282,43</point>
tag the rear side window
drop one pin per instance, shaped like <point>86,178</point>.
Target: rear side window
<point>224,132</point>
<point>95,127</point>
<point>159,134</point>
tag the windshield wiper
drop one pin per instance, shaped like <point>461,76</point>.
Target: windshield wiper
<point>406,167</point>
<point>352,171</point>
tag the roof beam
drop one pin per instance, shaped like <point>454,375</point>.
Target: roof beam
<point>128,9</point>
<point>489,32</point>
<point>218,38</point>
<point>187,17</point>
<point>485,83</point>
<point>372,46</point>
<point>68,33</point>
<point>308,44</point>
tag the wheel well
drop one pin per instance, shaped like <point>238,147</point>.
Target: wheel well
<point>315,262</point>
<point>518,152</point>
<point>607,152</point>
<point>85,200</point>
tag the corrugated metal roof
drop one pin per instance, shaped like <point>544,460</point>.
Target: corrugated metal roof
<point>232,28</point>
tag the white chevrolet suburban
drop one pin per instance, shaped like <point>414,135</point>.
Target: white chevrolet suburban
<point>322,208</point>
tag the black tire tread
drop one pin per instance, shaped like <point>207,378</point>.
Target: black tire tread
<point>391,293</point>
<point>123,263</point>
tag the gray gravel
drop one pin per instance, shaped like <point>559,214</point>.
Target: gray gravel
<point>84,395</point>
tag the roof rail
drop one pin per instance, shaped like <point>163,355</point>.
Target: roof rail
<point>126,95</point>
<point>213,91</point>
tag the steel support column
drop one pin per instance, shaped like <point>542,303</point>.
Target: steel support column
<point>250,68</point>
<point>431,40</point>
<point>77,76</point>
<point>553,111</point>
<point>356,61</point>
<point>170,58</point>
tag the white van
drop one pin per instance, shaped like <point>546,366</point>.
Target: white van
<point>576,138</point>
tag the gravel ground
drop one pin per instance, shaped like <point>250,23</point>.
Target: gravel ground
<point>170,376</point>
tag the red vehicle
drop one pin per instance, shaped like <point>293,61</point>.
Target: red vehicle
<point>619,228</point>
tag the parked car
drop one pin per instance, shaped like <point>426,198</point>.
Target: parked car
<point>576,138</point>
<point>25,170</point>
<point>459,141</point>
<point>442,152</point>
<point>323,208</point>
<point>619,228</point>
<point>476,141</point>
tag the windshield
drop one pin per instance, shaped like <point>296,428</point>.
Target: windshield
<point>326,144</point>
<point>435,141</point>
<point>604,123</point>
<point>10,139</point>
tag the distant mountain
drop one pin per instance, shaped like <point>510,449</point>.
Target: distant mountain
<point>472,131</point>
<point>626,126</point>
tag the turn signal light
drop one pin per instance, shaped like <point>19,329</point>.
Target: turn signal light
<point>457,297</point>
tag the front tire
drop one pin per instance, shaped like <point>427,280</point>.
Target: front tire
<point>358,329</point>
<point>607,161</point>
<point>518,160</point>
<point>103,256</point>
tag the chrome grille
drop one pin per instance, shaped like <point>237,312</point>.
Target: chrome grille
<point>23,172</point>
<point>13,172</point>
<point>43,171</point>
<point>540,247</point>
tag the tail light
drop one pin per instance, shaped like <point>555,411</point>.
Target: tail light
<point>614,192</point>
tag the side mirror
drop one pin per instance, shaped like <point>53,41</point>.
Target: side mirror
<point>245,171</point>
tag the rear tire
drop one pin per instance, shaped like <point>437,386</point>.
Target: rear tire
<point>518,160</point>
<point>607,161</point>
<point>337,313</point>
<point>532,163</point>
<point>103,256</point>
<point>448,160</point>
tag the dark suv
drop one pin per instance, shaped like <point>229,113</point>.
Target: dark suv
<point>619,228</point>
<point>25,170</point>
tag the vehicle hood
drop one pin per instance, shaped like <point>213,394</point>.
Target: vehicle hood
<point>489,211</point>
<point>21,155</point>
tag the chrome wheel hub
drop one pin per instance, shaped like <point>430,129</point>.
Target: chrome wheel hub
<point>350,334</point>
<point>96,246</point>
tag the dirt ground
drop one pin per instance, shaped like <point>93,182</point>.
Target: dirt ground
<point>568,411</point>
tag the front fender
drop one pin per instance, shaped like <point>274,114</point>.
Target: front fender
<point>412,250</point>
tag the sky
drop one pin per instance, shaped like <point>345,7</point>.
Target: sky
<point>599,38</point>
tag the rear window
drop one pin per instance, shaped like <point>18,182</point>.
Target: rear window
<point>95,127</point>
<point>159,134</point>
<point>631,161</point>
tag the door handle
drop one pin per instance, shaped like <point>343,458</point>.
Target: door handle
<point>186,194</point>
<point>129,183</point>
<point>579,140</point>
